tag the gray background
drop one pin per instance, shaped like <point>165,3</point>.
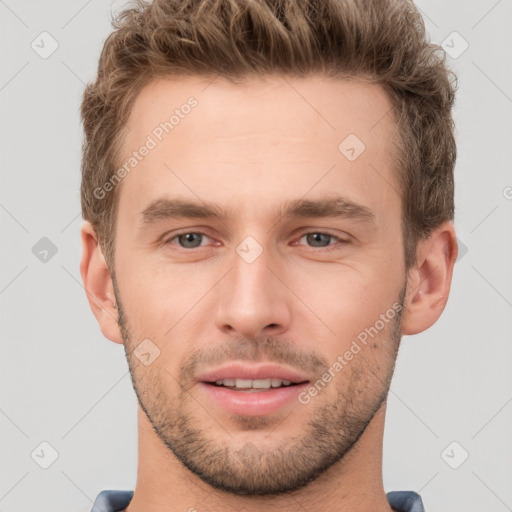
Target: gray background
<point>64,384</point>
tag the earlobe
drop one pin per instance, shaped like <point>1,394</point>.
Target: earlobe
<point>429,281</point>
<point>98,284</point>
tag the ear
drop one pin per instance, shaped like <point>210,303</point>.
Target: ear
<point>98,285</point>
<point>429,281</point>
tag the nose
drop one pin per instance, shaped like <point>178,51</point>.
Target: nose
<point>253,299</point>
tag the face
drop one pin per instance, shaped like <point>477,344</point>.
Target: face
<point>253,232</point>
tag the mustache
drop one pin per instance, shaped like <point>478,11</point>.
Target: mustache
<point>267,349</point>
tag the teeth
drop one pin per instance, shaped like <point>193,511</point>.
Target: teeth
<point>242,383</point>
<point>255,384</point>
<point>261,383</point>
<point>226,382</point>
<point>276,383</point>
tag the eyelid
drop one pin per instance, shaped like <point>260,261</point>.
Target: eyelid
<point>320,231</point>
<point>340,239</point>
<point>167,238</point>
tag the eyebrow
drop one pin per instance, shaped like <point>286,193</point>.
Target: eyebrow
<point>335,207</point>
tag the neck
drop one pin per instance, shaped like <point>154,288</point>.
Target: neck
<point>352,484</point>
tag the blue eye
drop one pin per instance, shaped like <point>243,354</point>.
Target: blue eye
<point>314,237</point>
<point>316,240</point>
<point>189,240</point>
<point>317,237</point>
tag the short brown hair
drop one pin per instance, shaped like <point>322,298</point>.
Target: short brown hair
<point>383,40</point>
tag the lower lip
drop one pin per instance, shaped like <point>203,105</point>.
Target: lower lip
<point>253,403</point>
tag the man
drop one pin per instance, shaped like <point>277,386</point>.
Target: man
<point>268,195</point>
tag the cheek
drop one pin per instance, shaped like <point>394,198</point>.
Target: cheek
<point>360,309</point>
<point>163,302</point>
<point>144,297</point>
<point>347,299</point>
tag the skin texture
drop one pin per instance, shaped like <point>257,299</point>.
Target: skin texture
<point>249,149</point>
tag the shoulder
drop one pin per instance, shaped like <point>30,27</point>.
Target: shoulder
<point>405,501</point>
<point>112,501</point>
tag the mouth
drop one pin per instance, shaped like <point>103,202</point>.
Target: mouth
<point>255,385</point>
<point>253,390</point>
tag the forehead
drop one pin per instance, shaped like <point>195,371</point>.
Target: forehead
<point>263,140</point>
<point>328,107</point>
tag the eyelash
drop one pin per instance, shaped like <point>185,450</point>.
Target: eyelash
<point>328,248</point>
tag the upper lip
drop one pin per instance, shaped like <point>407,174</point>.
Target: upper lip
<point>243,371</point>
